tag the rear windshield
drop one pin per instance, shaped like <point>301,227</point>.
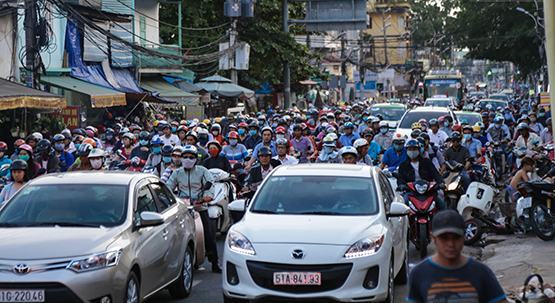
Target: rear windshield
<point>412,117</point>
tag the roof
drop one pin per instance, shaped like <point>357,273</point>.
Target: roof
<point>465,112</point>
<point>323,169</point>
<point>430,109</point>
<point>397,105</point>
<point>222,86</point>
<point>105,177</point>
<point>493,100</point>
<point>164,90</point>
<point>15,95</point>
<point>100,96</point>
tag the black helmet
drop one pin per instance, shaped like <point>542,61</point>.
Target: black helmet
<point>18,164</point>
<point>456,136</point>
<point>58,138</point>
<point>144,135</point>
<point>43,146</point>
<point>167,150</point>
<point>79,131</point>
<point>254,124</point>
<point>415,133</point>
<point>264,151</point>
<point>425,136</point>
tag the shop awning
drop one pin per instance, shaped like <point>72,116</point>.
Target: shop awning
<point>162,89</point>
<point>14,95</point>
<point>100,96</point>
<point>219,85</point>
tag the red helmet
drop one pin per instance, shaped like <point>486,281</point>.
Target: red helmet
<point>457,128</point>
<point>26,147</point>
<point>280,130</point>
<point>3,146</point>
<point>233,135</point>
<point>243,124</point>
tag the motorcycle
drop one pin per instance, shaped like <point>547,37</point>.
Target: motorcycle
<point>453,181</point>
<point>536,206</point>
<point>224,193</point>
<point>497,161</point>
<point>422,203</point>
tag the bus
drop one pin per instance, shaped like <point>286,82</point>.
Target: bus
<point>444,83</point>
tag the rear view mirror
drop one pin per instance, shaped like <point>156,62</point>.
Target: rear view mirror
<point>237,209</point>
<point>398,209</point>
<point>149,218</point>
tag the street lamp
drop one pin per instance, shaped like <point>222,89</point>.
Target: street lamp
<point>541,37</point>
<point>538,24</point>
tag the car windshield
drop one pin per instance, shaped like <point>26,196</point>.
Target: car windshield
<point>438,103</point>
<point>412,117</point>
<point>66,205</point>
<point>388,113</point>
<point>470,118</point>
<point>494,104</point>
<point>499,97</point>
<point>317,195</point>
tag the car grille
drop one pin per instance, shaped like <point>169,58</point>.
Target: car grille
<point>54,292</point>
<point>333,276</point>
<point>9,267</point>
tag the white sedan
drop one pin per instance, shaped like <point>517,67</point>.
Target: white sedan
<point>318,231</point>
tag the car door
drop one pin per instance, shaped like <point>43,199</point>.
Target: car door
<point>173,217</point>
<point>396,223</point>
<point>152,242</point>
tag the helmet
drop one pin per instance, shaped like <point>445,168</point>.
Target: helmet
<point>37,135</point>
<point>329,141</point>
<point>424,136</point>
<point>416,125</point>
<point>348,150</point>
<point>367,132</point>
<point>233,135</point>
<point>156,141</point>
<point>297,127</point>
<point>3,146</point>
<point>349,125</point>
<point>177,149</point>
<point>91,128</point>
<point>84,149</point>
<point>456,136</point>
<point>214,142</point>
<point>163,124</point>
<point>399,139</point>
<point>498,120</point>
<point>254,124</point>
<point>384,124</point>
<point>522,125</point>
<point>18,142</point>
<point>360,143</point>
<point>97,153</point>
<point>193,134</point>
<point>167,150</point>
<point>43,146</point>
<point>182,128</point>
<point>264,151</point>
<point>423,121</point>
<point>282,141</point>
<point>26,147</point>
<point>67,134</point>
<point>415,133</point>
<point>206,121</point>
<point>129,136</point>
<point>58,138</point>
<point>89,141</point>
<point>190,149</point>
<point>89,133</point>
<point>243,124</point>
<point>79,131</point>
<point>433,122</point>
<point>333,135</point>
<point>18,164</point>
<point>280,130</point>
<point>476,128</point>
<point>144,135</point>
<point>216,126</point>
<point>267,128</point>
<point>457,128</point>
<point>467,127</point>
<point>412,143</point>
<point>374,119</point>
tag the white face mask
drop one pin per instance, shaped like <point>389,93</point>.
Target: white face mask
<point>188,163</point>
<point>96,163</point>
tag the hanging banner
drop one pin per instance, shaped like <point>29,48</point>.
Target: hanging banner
<point>70,116</point>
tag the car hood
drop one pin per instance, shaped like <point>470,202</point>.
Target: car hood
<point>330,230</point>
<point>391,123</point>
<point>54,242</point>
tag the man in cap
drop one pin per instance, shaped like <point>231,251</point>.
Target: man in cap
<point>448,275</point>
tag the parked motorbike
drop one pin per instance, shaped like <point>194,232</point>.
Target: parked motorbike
<point>224,193</point>
<point>453,181</point>
<point>536,206</point>
<point>422,203</point>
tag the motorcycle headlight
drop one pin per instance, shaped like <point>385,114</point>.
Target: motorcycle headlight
<point>412,207</point>
<point>365,247</point>
<point>432,206</point>
<point>94,262</point>
<point>453,185</point>
<point>240,244</point>
<point>421,188</point>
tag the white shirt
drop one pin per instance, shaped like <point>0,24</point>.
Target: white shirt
<point>438,138</point>
<point>415,165</point>
<point>288,160</point>
<point>172,140</point>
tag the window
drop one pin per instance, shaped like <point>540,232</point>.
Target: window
<point>401,22</point>
<point>145,201</point>
<point>387,192</point>
<point>165,199</point>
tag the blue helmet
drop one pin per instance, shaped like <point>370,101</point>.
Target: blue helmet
<point>156,141</point>
<point>498,120</point>
<point>412,143</point>
<point>349,125</point>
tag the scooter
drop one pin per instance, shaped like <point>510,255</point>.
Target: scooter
<point>224,193</point>
<point>453,181</point>
<point>422,203</point>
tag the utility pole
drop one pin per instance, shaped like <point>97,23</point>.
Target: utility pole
<point>232,40</point>
<point>385,39</point>
<point>286,69</point>
<point>549,14</point>
<point>30,39</point>
<point>343,66</point>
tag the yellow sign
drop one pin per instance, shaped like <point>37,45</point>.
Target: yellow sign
<point>545,98</point>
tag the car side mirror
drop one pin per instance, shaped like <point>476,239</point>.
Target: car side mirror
<point>237,209</point>
<point>398,209</point>
<point>149,219</point>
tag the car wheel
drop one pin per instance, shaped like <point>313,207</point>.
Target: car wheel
<point>403,275</point>
<point>133,289</point>
<point>234,300</point>
<point>182,287</point>
<point>390,284</point>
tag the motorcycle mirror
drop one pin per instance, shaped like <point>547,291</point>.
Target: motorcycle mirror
<point>207,186</point>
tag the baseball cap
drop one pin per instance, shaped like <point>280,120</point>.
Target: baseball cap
<point>448,221</point>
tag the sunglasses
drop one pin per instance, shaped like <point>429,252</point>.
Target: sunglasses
<point>189,157</point>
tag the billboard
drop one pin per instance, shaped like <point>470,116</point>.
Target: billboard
<point>335,15</point>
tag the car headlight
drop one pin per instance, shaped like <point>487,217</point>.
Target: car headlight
<point>421,188</point>
<point>453,185</point>
<point>240,244</point>
<point>94,262</point>
<point>365,247</point>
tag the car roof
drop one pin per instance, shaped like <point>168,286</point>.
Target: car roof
<point>399,105</point>
<point>325,169</point>
<point>465,112</point>
<point>492,100</point>
<point>438,99</point>
<point>431,109</point>
<point>89,177</point>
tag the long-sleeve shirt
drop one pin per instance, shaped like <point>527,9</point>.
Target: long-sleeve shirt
<point>190,183</point>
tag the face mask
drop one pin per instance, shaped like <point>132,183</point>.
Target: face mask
<point>59,146</point>
<point>241,131</point>
<point>467,137</point>
<point>446,123</point>
<point>143,142</point>
<point>167,159</point>
<point>188,163</point>
<point>413,154</point>
<point>384,130</point>
<point>328,149</point>
<point>203,139</point>
<point>280,136</point>
<point>233,142</point>
<point>398,147</point>
<point>176,162</point>
<point>109,137</point>
<point>213,152</point>
<point>174,129</point>
<point>541,115</point>
<point>533,119</point>
<point>96,163</point>
<point>252,132</point>
<point>261,123</point>
<point>215,132</point>
<point>24,157</point>
<point>157,150</point>
<point>497,126</point>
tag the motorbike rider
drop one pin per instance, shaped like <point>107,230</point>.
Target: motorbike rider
<point>46,158</point>
<point>65,158</point>
<point>460,154</point>
<point>96,158</point>
<point>168,137</point>
<point>195,182</point>
<point>394,155</point>
<point>253,139</point>
<point>141,151</point>
<point>437,136</point>
<point>216,159</point>
<point>283,153</point>
<point>82,163</point>
<point>192,139</point>
<point>69,145</point>
<point>4,159</point>
<point>430,151</point>
<point>328,154</point>
<point>384,137</point>
<point>527,166</point>
<point>374,148</point>
<point>174,164</point>
<point>416,167</point>
<point>109,140</point>
<point>527,140</point>
<point>534,125</point>
<point>234,151</point>
<point>546,134</point>
<point>362,146</point>
<point>473,145</point>
<point>155,157</point>
<point>19,176</point>
<point>216,131</point>
<point>477,132</point>
<point>242,131</point>
<point>128,139</point>
<point>498,132</point>
<point>348,137</point>
<point>446,122</point>
<point>349,155</point>
<point>301,144</point>
<point>260,170</point>
<point>267,134</point>
<point>182,135</point>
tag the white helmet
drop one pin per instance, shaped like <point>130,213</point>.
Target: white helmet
<point>97,153</point>
<point>360,143</point>
<point>37,136</point>
<point>383,124</point>
<point>329,141</point>
<point>348,150</point>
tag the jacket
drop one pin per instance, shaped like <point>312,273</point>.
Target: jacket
<point>190,183</point>
<point>220,162</point>
<point>426,170</point>
<point>255,175</point>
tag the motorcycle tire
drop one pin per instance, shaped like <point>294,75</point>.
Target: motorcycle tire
<point>547,232</point>
<point>473,231</point>
<point>423,240</point>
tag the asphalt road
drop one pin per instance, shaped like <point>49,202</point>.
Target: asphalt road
<point>207,286</point>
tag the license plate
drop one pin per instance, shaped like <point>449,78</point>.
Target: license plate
<point>22,295</point>
<point>526,202</point>
<point>297,278</point>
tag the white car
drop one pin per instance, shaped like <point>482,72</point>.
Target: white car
<point>318,231</point>
<point>424,112</point>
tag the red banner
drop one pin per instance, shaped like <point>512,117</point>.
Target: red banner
<point>70,116</point>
